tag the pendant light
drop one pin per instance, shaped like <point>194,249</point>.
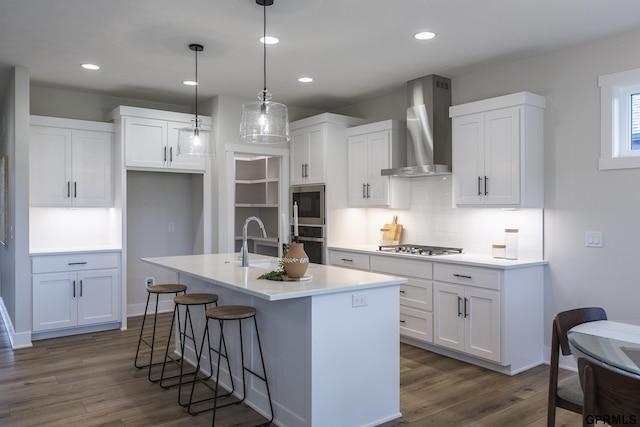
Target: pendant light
<point>194,140</point>
<point>264,121</point>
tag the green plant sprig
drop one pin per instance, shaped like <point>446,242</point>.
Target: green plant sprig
<point>277,273</point>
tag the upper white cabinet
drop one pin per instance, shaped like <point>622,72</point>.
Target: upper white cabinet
<point>371,148</point>
<point>150,139</point>
<point>311,142</point>
<point>70,163</point>
<point>498,157</point>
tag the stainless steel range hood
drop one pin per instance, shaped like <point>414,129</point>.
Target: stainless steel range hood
<point>428,128</point>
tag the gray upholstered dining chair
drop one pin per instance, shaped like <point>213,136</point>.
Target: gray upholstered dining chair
<point>610,395</point>
<point>566,394</point>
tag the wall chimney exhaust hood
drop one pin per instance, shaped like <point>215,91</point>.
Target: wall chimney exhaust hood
<point>428,128</point>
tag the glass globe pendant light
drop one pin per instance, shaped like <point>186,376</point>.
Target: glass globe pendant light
<point>194,140</point>
<point>264,121</point>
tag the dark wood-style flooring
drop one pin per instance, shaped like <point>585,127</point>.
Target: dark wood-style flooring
<point>89,380</point>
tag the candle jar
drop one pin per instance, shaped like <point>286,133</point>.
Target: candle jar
<point>511,243</point>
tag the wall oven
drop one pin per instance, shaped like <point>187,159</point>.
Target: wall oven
<point>314,242</point>
<point>310,200</point>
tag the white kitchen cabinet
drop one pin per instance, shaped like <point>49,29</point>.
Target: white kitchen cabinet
<point>416,296</point>
<point>75,290</point>
<point>468,320</point>
<point>311,146</point>
<point>70,163</point>
<point>371,148</point>
<point>150,140</point>
<point>486,313</point>
<point>498,151</point>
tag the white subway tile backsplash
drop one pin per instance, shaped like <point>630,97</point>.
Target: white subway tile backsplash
<point>433,220</point>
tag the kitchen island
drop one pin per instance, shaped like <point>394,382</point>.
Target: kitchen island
<point>331,343</point>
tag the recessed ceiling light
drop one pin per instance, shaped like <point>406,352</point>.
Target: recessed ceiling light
<point>269,40</point>
<point>190,83</point>
<point>305,79</point>
<point>424,35</point>
<point>90,66</point>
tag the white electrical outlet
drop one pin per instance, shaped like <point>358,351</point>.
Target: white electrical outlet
<point>359,300</point>
<point>149,281</point>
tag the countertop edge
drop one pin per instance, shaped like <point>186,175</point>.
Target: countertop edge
<point>462,259</point>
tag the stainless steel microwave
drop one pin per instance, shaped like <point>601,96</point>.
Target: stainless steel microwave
<point>311,207</point>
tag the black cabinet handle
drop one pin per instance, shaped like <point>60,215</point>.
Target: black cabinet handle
<point>479,182</point>
<point>74,288</point>
<point>485,186</point>
<point>68,189</point>
<point>80,288</point>
<point>171,154</point>
<point>346,260</point>
<point>75,190</point>
<point>165,154</point>
<point>402,292</point>
<point>466,310</point>
<point>461,275</point>
<point>77,263</point>
<point>368,192</point>
<point>459,310</point>
<point>403,321</point>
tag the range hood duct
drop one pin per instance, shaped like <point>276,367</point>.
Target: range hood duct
<point>428,128</point>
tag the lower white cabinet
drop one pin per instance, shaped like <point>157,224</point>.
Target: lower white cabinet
<point>468,320</point>
<point>75,290</point>
<point>416,296</point>
<point>489,314</point>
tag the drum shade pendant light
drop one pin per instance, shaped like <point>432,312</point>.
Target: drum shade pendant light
<point>194,140</point>
<point>264,121</point>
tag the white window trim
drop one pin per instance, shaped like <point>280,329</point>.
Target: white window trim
<point>615,90</point>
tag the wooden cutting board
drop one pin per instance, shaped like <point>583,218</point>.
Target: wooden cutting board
<point>391,233</point>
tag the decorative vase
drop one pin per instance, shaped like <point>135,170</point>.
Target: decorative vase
<point>296,261</point>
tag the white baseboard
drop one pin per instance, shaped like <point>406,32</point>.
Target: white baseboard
<point>138,309</point>
<point>18,340</point>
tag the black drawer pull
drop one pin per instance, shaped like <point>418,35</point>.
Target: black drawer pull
<point>346,260</point>
<point>77,263</point>
<point>402,321</point>
<point>462,275</point>
<point>402,292</point>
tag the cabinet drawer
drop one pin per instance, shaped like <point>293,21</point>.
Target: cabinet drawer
<point>417,293</point>
<point>349,260</point>
<point>473,276</point>
<point>416,324</point>
<point>75,262</point>
<point>402,267</point>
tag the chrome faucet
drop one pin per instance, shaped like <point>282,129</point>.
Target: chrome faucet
<point>245,255</point>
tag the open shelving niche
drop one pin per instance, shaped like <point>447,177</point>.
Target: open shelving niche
<point>256,193</point>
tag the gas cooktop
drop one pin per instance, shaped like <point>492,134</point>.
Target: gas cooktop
<point>411,249</point>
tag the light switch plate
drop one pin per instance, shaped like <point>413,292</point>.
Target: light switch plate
<point>593,239</point>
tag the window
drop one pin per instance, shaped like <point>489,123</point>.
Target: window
<point>620,120</point>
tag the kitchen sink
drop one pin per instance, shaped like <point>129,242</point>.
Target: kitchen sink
<point>267,264</point>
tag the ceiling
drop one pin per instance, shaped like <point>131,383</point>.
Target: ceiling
<point>354,49</point>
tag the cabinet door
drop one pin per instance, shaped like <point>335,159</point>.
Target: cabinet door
<point>307,155</point>
<point>91,168</point>
<point>54,301</point>
<point>502,156</point>
<point>49,166</point>
<point>317,141</point>
<point>175,161</point>
<point>98,297</point>
<point>358,149</point>
<point>448,319</point>
<point>146,142</point>
<point>482,328</point>
<point>468,159</point>
<point>378,158</point>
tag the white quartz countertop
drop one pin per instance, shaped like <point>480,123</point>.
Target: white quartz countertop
<point>225,270</point>
<point>465,259</point>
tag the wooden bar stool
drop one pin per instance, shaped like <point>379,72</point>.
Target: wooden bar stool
<point>185,332</point>
<point>156,290</point>
<point>223,314</point>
